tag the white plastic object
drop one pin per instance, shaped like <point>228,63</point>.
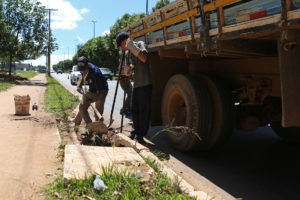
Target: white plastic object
<point>99,184</point>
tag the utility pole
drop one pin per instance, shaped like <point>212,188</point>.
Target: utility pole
<point>94,26</point>
<point>49,37</point>
<point>146,7</point>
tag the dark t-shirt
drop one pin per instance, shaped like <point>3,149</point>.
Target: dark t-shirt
<point>95,79</point>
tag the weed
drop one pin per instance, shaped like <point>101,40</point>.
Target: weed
<point>120,185</point>
<point>160,155</point>
<point>62,145</point>
<point>177,130</point>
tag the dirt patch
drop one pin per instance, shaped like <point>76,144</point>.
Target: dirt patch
<point>41,121</point>
<point>28,145</point>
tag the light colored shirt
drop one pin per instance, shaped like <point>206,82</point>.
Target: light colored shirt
<point>142,76</point>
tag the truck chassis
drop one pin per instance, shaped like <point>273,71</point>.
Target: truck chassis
<point>223,64</point>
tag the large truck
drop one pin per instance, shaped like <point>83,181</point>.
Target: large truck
<point>219,65</point>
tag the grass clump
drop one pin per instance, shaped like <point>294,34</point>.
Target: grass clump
<point>26,74</point>
<point>58,100</point>
<point>5,84</point>
<point>120,185</point>
<point>61,150</point>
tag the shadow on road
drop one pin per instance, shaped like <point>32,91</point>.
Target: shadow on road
<point>252,165</point>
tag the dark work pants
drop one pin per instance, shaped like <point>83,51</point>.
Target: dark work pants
<point>127,87</point>
<point>141,105</point>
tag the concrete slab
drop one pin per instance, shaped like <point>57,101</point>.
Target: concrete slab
<point>83,161</point>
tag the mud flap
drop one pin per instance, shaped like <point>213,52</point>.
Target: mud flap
<point>289,60</point>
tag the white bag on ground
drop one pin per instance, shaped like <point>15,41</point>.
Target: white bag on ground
<point>99,184</point>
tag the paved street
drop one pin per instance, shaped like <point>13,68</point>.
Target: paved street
<point>253,165</point>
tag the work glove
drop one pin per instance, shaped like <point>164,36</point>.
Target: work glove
<point>132,47</point>
<point>128,70</point>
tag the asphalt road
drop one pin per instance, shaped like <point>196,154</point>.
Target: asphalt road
<point>253,165</point>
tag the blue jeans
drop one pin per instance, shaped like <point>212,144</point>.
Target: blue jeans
<point>141,106</point>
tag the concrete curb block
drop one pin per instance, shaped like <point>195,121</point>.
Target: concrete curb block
<point>122,140</point>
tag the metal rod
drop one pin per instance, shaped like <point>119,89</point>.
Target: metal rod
<point>125,89</point>
<point>116,91</point>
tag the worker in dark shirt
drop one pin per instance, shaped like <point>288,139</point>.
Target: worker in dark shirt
<point>98,89</point>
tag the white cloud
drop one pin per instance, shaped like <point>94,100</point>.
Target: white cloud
<point>66,16</point>
<point>105,32</point>
<point>84,10</point>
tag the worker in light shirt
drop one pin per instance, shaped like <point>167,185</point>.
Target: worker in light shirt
<point>142,84</point>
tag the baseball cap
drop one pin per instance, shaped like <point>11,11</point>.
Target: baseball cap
<point>82,63</point>
<point>120,37</point>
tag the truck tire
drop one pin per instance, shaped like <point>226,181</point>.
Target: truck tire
<point>186,103</point>
<point>223,112</point>
<point>290,135</point>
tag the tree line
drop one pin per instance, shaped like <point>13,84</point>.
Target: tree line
<point>24,35</point>
<point>102,50</point>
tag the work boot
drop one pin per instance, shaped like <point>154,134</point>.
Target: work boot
<point>141,141</point>
<point>132,136</point>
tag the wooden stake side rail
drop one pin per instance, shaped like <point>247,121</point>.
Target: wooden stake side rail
<point>219,4</point>
<point>189,11</point>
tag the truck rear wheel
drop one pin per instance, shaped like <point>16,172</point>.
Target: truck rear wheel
<point>201,104</point>
<point>188,104</point>
<point>223,112</point>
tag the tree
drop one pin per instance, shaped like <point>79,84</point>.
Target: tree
<point>3,28</point>
<point>65,65</point>
<point>159,4</point>
<point>102,51</point>
<point>26,36</point>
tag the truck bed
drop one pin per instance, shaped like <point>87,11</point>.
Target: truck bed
<point>203,24</point>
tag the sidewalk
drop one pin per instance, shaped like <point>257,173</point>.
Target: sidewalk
<point>28,143</point>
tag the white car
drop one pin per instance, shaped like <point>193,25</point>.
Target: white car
<point>75,75</point>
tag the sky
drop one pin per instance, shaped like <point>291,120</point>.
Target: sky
<point>72,23</point>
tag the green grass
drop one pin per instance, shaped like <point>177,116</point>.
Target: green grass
<point>58,100</point>
<point>26,74</point>
<point>120,185</point>
<point>5,84</point>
